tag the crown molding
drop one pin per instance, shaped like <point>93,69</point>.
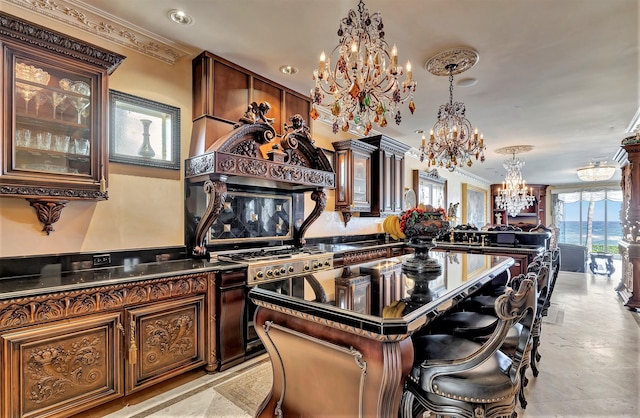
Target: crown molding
<point>89,19</point>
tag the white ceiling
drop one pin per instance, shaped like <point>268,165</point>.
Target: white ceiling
<point>561,75</point>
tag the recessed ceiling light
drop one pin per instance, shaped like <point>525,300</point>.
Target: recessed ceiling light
<point>288,69</point>
<point>180,17</point>
<point>467,82</point>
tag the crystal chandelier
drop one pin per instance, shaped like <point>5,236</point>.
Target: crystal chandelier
<point>514,196</point>
<point>452,142</point>
<point>363,84</point>
<point>596,172</point>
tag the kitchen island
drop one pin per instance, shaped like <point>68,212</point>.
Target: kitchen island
<point>334,357</point>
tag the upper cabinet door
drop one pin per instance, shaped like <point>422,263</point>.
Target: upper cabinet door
<point>387,187</point>
<point>56,121</point>
<point>54,113</point>
<point>353,165</point>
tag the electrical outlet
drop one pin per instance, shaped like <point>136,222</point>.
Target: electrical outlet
<point>101,260</point>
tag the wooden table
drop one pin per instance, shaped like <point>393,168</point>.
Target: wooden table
<point>329,361</point>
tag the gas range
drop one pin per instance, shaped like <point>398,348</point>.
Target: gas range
<point>276,263</point>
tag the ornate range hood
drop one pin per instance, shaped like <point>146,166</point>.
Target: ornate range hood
<point>253,155</point>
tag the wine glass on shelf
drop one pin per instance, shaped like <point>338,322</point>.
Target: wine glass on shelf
<point>40,98</point>
<point>56,100</point>
<point>80,100</point>
<point>32,77</point>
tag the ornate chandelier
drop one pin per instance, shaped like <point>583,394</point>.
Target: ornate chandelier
<point>363,84</point>
<point>596,172</point>
<point>452,142</point>
<point>514,196</point>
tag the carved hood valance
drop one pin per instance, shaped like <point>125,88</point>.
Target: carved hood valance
<point>253,154</point>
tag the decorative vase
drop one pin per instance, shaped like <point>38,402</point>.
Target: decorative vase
<point>422,268</point>
<point>421,262</point>
<point>146,150</point>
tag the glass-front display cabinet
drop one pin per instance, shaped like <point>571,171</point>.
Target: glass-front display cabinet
<point>54,118</point>
<point>352,165</point>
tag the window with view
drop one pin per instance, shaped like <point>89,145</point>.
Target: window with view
<point>590,218</point>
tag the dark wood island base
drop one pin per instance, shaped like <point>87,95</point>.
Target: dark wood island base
<point>342,373</point>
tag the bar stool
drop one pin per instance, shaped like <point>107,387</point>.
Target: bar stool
<point>453,375</point>
<point>478,326</point>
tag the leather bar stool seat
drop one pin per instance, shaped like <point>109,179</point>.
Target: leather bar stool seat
<point>487,381</point>
<point>456,376</point>
<point>477,327</point>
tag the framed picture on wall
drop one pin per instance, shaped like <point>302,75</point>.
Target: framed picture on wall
<point>474,205</point>
<point>143,132</point>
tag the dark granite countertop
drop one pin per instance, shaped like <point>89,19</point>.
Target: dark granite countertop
<point>51,279</point>
<point>354,246</point>
<point>445,288</point>
<point>475,247</point>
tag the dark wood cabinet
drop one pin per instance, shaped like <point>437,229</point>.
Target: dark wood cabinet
<point>168,338</point>
<point>534,214</point>
<point>353,165</point>
<point>387,185</point>
<point>55,115</point>
<point>521,261</point>
<point>222,91</point>
<point>60,368</point>
<point>77,349</point>
<point>231,312</point>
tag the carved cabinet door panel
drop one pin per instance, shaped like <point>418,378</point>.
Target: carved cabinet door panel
<point>61,368</point>
<point>164,339</point>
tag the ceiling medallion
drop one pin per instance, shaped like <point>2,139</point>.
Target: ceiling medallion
<point>462,59</point>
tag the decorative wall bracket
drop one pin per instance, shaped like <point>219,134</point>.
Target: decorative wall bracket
<point>48,211</point>
<point>346,216</point>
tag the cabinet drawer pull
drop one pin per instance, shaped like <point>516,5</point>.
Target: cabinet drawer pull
<point>133,349</point>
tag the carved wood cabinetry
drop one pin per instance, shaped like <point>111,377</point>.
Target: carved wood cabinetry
<point>534,214</point>
<point>54,97</point>
<point>387,186</point>
<point>628,156</point>
<point>62,366</point>
<point>353,177</point>
<point>63,353</point>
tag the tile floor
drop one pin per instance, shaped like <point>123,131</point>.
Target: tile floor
<point>590,364</point>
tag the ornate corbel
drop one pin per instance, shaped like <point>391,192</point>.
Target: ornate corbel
<point>48,211</point>
<point>346,216</point>
<point>320,197</point>
<point>217,193</point>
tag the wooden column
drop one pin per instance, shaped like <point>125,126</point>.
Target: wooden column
<point>629,159</point>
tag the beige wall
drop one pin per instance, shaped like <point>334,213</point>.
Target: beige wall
<point>145,206</point>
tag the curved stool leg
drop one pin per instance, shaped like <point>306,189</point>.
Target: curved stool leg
<point>535,355</point>
<point>409,408</point>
